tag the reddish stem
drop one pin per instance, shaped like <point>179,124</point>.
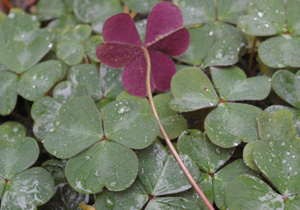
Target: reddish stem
<point>167,139</point>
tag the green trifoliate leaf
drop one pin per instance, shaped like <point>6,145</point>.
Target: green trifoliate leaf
<point>44,111</point>
<point>160,172</point>
<point>222,47</point>
<point>91,46</point>
<point>287,86</point>
<point>126,122</point>
<point>86,74</point>
<point>230,10</point>
<point>264,18</point>
<point>65,198</point>
<point>171,203</point>
<point>16,155</point>
<point>248,155</point>
<point>202,151</point>
<point>205,11</point>
<point>38,80</point>
<point>19,57</point>
<point>141,101</point>
<point>205,183</point>
<point>270,17</point>
<point>224,177</point>
<point>105,164</point>
<point>77,126</point>
<point>77,34</point>
<point>192,90</point>
<point>196,12</point>
<point>279,161</point>
<point>28,190</point>
<point>134,197</point>
<point>276,126</point>
<point>230,124</point>
<point>70,52</point>
<point>111,81</point>
<point>279,52</point>
<point>8,92</point>
<point>10,130</point>
<point>296,115</point>
<point>47,10</point>
<point>173,122</point>
<point>259,195</point>
<point>57,169</point>
<point>66,90</point>
<point>232,84</point>
<point>63,21</point>
<point>20,27</point>
<point>96,12</point>
<point>140,6</point>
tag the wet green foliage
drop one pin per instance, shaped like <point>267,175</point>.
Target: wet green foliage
<point>70,134</point>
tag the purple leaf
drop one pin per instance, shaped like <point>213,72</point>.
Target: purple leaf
<point>120,28</point>
<point>174,44</point>
<point>134,77</point>
<point>162,71</point>
<point>117,55</point>
<point>164,19</point>
<point>164,35</point>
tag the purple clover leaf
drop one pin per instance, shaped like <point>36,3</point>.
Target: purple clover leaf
<point>165,36</point>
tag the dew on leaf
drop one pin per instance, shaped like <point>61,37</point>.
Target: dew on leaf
<point>260,14</point>
<point>123,110</point>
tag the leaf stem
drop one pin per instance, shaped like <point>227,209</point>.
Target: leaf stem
<point>167,139</point>
<point>251,57</point>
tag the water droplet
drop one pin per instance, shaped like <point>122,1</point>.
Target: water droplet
<point>109,204</point>
<point>50,45</point>
<point>57,123</point>
<point>54,152</point>
<point>211,33</point>
<point>260,14</point>
<point>287,153</point>
<point>123,110</point>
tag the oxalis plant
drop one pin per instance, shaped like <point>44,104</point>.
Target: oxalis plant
<point>80,128</point>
